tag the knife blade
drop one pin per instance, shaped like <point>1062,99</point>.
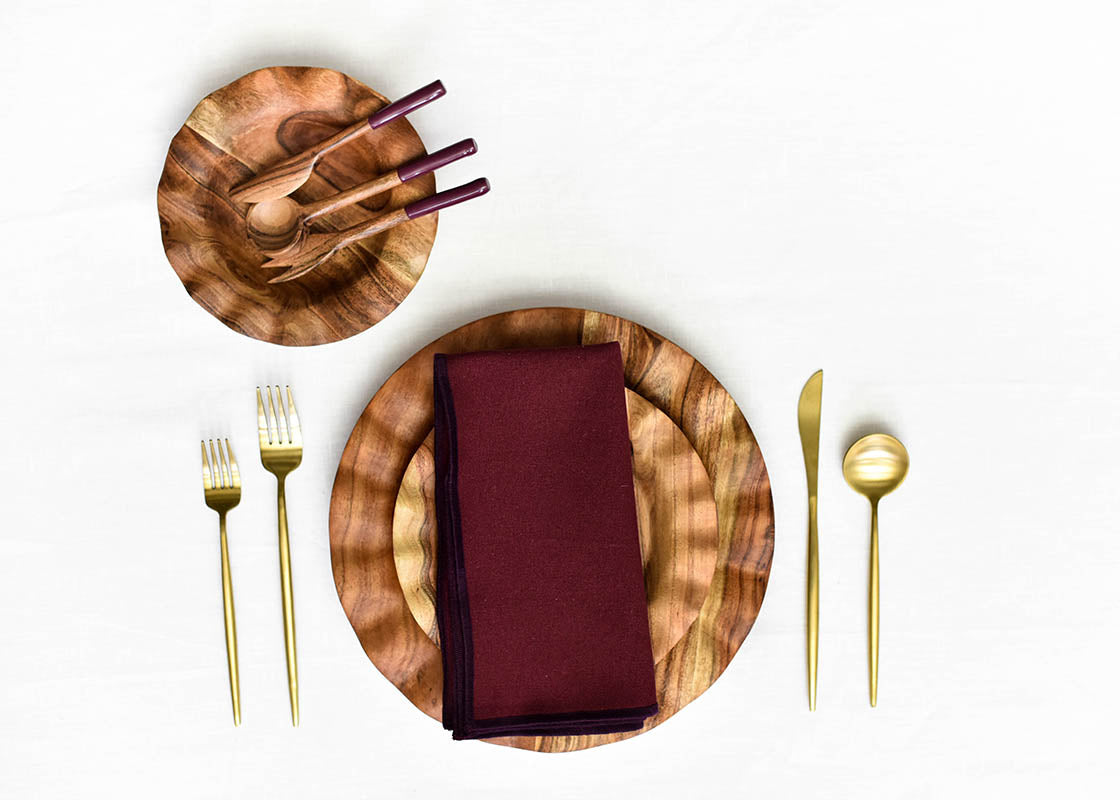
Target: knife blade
<point>809,425</point>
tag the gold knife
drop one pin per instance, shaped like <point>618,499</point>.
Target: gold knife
<point>809,423</point>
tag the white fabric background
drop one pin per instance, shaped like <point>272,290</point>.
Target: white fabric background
<point>921,198</point>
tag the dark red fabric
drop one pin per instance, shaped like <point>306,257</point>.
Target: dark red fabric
<point>541,600</point>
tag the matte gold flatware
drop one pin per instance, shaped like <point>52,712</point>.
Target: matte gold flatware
<point>875,466</point>
<point>809,425</point>
<point>281,452</point>
<point>312,250</point>
<point>291,173</point>
<point>221,486</point>
<point>275,225</point>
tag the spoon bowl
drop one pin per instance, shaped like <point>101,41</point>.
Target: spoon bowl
<point>876,465</point>
<point>274,224</point>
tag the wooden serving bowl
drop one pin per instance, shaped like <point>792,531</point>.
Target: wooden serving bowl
<point>257,120</point>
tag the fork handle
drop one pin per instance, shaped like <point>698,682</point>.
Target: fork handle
<point>286,599</point>
<point>447,198</point>
<point>230,622</point>
<point>418,208</point>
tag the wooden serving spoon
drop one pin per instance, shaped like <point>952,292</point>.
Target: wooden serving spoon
<point>276,225</point>
<point>284,178</point>
<point>313,250</point>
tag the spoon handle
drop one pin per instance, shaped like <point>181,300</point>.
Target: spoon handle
<point>390,180</point>
<point>873,608</point>
<point>382,183</point>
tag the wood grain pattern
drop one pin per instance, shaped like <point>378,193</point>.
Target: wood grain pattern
<point>261,119</point>
<point>676,521</point>
<point>398,419</point>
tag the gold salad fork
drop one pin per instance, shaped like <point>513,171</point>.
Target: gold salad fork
<point>281,452</point>
<point>221,486</point>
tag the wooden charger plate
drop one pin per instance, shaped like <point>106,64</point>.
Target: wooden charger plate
<point>238,130</point>
<point>695,458</point>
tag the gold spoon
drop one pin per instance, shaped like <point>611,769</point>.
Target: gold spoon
<point>875,466</point>
<point>276,225</point>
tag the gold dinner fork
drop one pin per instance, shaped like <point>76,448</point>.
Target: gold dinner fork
<point>221,486</point>
<point>281,452</point>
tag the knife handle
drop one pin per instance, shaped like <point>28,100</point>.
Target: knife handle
<point>813,604</point>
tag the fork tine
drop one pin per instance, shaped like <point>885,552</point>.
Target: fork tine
<point>215,473</point>
<point>273,428</point>
<point>227,478</point>
<point>262,423</point>
<point>219,477</point>
<point>207,481</point>
<point>294,431</point>
<point>235,473</point>
<point>282,423</point>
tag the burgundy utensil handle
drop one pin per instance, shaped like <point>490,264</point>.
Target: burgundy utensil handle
<point>438,159</point>
<point>407,104</point>
<point>447,198</point>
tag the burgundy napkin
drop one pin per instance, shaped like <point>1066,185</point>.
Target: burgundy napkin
<point>540,600</point>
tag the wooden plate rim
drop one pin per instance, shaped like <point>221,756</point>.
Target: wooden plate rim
<point>744,507</point>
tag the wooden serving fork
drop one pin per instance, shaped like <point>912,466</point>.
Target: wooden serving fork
<point>281,452</point>
<point>311,250</point>
<point>221,486</point>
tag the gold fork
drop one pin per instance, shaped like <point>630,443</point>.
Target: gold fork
<point>221,486</point>
<point>281,452</point>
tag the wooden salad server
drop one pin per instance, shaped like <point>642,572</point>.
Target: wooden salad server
<point>276,225</point>
<point>287,176</point>
<point>316,248</point>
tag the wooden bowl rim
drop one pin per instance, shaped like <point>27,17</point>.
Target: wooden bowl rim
<point>285,333</point>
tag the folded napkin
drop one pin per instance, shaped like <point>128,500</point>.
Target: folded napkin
<point>540,596</point>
